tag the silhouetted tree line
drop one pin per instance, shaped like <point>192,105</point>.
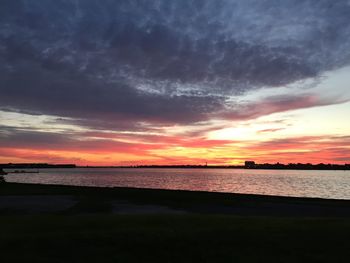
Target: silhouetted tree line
<point>248,165</point>
<point>186,166</point>
<point>298,166</point>
<point>34,165</point>
<point>253,165</point>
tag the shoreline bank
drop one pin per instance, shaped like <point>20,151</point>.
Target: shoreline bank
<point>114,199</point>
<point>74,224</point>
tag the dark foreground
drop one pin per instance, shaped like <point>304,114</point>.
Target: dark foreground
<point>79,224</point>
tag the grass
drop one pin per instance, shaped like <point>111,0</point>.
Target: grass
<point>89,232</point>
<point>170,238</point>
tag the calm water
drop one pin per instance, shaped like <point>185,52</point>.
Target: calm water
<point>324,184</point>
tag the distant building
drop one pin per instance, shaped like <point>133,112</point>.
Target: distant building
<point>249,164</point>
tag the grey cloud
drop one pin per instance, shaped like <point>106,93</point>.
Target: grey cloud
<point>72,94</point>
<point>11,138</point>
<point>16,137</point>
<point>161,61</point>
<point>269,105</point>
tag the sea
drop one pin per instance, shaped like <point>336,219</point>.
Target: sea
<point>297,183</point>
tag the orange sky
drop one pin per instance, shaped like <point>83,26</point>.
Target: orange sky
<point>291,136</point>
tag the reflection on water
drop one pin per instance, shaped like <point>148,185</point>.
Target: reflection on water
<point>324,184</point>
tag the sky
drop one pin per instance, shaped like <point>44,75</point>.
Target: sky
<point>104,82</point>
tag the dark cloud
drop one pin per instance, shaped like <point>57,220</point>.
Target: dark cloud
<point>104,62</point>
<point>273,104</point>
<point>14,138</point>
<point>74,95</point>
<point>97,142</point>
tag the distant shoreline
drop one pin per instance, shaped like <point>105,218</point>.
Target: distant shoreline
<point>265,166</point>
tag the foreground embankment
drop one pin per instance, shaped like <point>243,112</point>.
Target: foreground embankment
<point>46,223</point>
<point>35,198</point>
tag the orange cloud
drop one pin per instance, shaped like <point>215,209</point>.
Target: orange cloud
<point>112,148</point>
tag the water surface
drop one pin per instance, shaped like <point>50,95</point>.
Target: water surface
<point>324,184</point>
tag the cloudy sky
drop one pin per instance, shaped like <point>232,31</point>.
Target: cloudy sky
<point>174,82</point>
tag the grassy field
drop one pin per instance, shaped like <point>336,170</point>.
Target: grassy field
<point>90,232</point>
<point>185,238</point>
